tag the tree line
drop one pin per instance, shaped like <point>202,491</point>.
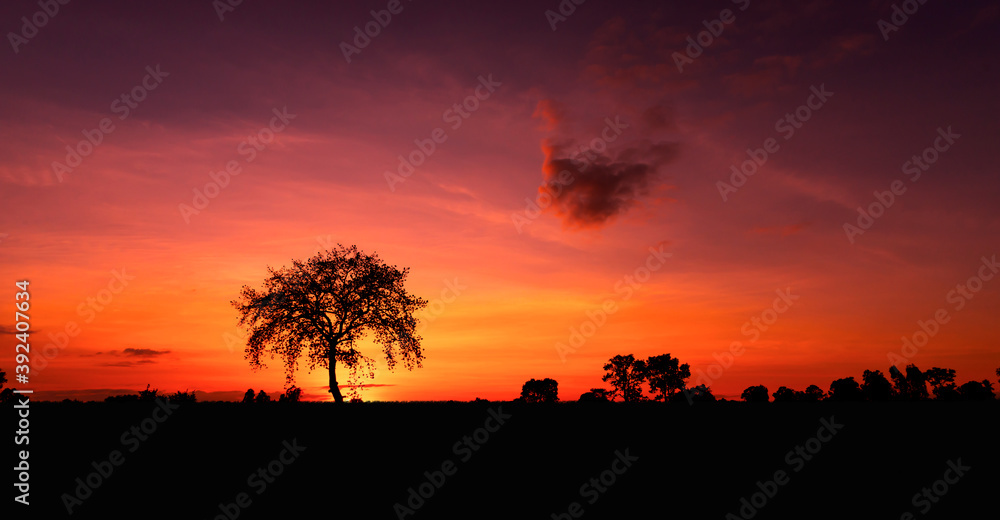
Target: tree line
<point>665,379</point>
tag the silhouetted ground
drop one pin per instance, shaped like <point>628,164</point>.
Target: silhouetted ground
<point>361,459</point>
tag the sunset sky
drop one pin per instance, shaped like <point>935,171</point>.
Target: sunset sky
<point>121,246</point>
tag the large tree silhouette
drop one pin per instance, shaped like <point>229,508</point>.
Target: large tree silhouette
<point>323,307</point>
<point>625,374</point>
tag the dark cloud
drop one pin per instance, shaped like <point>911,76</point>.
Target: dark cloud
<point>132,352</point>
<point>145,355</point>
<point>10,331</point>
<point>589,189</point>
<point>144,352</point>
<point>127,364</point>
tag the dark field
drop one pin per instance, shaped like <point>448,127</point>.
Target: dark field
<point>361,459</point>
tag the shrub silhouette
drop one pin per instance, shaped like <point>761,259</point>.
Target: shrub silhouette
<point>182,397</point>
<point>595,395</point>
<point>540,391</point>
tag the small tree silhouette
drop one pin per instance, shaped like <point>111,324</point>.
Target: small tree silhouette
<point>785,395</point>
<point>625,374</point>
<point>540,391</point>
<point>755,394</point>
<point>6,394</point>
<point>875,387</point>
<point>912,386</point>
<point>262,397</point>
<point>666,376</point>
<point>846,389</point>
<point>942,382</point>
<point>813,394</point>
<point>977,391</point>
<point>248,396</point>
<point>291,395</point>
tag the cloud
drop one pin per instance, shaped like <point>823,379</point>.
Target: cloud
<point>144,352</point>
<point>550,112</point>
<point>127,364</point>
<point>145,356</point>
<point>133,352</point>
<point>10,331</point>
<point>596,187</point>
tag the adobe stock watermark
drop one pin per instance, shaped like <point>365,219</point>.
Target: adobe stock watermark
<point>103,470</point>
<point>260,479</point>
<point>248,148</point>
<point>900,15</point>
<point>581,159</point>
<point>123,106</point>
<point>796,459</point>
<point>713,29</point>
<point>434,480</point>
<point>624,289</point>
<point>914,167</point>
<point>436,307</point>
<point>752,329</point>
<point>592,489</point>
<point>566,9</point>
<point>363,38</point>
<point>225,6</point>
<point>786,127</point>
<point>928,496</point>
<point>959,296</point>
<point>455,115</point>
<point>88,310</point>
<point>30,26</point>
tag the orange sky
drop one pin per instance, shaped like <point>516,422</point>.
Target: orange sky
<point>526,281</point>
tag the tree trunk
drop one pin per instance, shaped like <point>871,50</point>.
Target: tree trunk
<point>334,388</point>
